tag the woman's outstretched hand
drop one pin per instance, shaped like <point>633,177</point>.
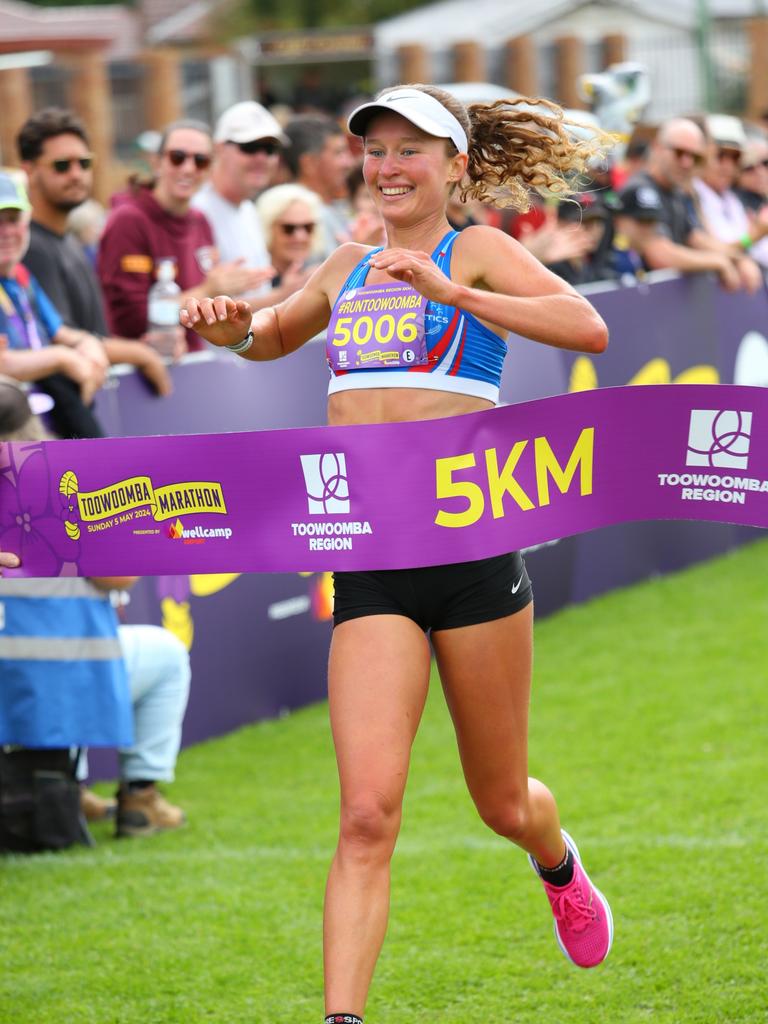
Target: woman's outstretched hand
<point>418,270</point>
<point>222,321</point>
<point>8,561</point>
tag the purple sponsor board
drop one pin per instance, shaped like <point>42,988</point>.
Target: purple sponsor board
<point>389,495</point>
<point>259,641</point>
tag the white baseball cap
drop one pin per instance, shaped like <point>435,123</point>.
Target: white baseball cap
<point>417,107</point>
<point>247,122</point>
<point>726,131</point>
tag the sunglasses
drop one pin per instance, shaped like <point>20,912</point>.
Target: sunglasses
<point>291,229</point>
<point>62,166</point>
<point>178,157</point>
<point>753,167</point>
<point>257,146</point>
<point>679,152</point>
<point>734,155</point>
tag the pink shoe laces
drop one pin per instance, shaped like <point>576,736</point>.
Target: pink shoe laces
<point>572,910</point>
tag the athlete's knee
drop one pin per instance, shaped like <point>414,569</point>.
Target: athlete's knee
<point>369,821</point>
<point>508,815</point>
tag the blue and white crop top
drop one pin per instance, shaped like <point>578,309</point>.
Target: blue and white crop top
<point>464,356</point>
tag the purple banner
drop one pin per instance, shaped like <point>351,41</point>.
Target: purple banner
<point>388,495</point>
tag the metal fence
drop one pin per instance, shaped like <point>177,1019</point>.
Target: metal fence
<point>731,59</point>
<point>197,93</point>
<point>679,72</point>
<point>127,85</point>
<point>51,88</point>
<point>681,80</point>
<point>676,65</point>
<point>50,85</point>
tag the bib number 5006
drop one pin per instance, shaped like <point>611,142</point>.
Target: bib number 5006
<point>383,330</point>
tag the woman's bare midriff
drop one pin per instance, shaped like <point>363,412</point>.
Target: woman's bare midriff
<point>395,405</point>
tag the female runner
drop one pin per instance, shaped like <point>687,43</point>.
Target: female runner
<point>420,145</point>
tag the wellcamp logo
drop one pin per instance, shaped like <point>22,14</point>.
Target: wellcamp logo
<point>325,477</point>
<point>719,438</point>
<point>197,534</point>
<point>327,487</point>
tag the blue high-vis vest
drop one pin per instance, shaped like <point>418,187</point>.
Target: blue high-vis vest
<point>63,680</point>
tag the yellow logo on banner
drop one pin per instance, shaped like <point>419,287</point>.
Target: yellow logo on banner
<point>500,480</point>
<point>136,496</point>
<point>655,371</point>
<point>68,486</point>
<point>120,497</point>
<point>185,499</point>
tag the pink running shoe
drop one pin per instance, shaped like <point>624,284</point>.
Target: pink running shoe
<point>583,920</point>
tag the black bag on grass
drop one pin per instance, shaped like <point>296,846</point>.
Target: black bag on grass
<point>39,801</point>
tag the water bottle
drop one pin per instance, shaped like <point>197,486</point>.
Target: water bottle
<point>163,308</point>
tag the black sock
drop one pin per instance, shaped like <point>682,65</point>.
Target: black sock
<point>562,873</point>
<point>343,1018</point>
<point>135,784</point>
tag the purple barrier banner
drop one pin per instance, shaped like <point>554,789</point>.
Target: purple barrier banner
<point>389,495</point>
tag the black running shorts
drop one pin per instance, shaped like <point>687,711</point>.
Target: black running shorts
<point>439,596</point>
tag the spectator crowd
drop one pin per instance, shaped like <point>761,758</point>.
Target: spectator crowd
<point>249,208</point>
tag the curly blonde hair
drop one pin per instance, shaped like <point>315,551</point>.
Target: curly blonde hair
<point>518,146</point>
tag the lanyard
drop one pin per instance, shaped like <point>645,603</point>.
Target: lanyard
<point>21,321</point>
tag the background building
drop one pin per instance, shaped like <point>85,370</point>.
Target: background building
<point>127,69</point>
<point>698,54</point>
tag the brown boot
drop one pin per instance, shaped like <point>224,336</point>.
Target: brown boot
<point>142,812</point>
<point>94,807</point>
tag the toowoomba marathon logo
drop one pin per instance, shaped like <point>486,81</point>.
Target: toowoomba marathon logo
<point>135,499</point>
<point>718,453</point>
<point>327,487</point>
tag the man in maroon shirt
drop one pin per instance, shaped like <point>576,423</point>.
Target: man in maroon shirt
<point>154,223</point>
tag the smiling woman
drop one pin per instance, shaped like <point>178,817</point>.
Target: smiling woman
<point>515,148</point>
<point>416,330</point>
<point>184,155</point>
<point>155,222</point>
<point>290,215</point>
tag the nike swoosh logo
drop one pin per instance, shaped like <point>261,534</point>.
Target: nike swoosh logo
<point>517,585</point>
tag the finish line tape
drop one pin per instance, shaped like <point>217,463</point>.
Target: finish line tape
<point>386,496</point>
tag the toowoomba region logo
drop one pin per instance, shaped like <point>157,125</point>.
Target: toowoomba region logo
<point>718,447</point>
<point>325,478</point>
<point>719,438</point>
<point>328,495</point>
<point>136,498</point>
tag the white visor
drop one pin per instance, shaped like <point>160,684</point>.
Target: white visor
<point>415,106</point>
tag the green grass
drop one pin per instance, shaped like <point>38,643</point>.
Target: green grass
<point>649,722</point>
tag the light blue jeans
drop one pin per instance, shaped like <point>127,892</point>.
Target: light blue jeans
<point>158,672</point>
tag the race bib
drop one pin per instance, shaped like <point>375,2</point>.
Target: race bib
<point>377,325</point>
